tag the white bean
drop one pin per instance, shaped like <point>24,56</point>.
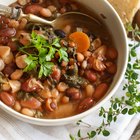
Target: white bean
<point>28,112</point>
<point>17,106</point>
<point>89,90</point>
<point>2,65</point>
<point>80,57</point>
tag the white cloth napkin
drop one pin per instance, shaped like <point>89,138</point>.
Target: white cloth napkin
<point>13,129</point>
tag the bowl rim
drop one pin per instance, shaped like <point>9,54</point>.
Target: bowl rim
<point>61,121</point>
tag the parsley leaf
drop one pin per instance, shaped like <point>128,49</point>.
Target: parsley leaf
<point>63,54</point>
<point>45,69</point>
<point>43,53</point>
<point>31,63</point>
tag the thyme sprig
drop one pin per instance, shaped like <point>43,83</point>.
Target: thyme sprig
<point>129,104</point>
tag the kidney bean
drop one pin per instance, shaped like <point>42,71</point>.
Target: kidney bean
<point>13,23</point>
<point>90,76</point>
<point>31,103</point>
<point>4,40</point>
<point>73,93</point>
<point>111,67</point>
<point>8,32</point>
<point>100,91</point>
<point>51,104</point>
<point>60,33</point>
<point>111,53</point>
<point>56,74</point>
<point>33,9</point>
<point>31,85</point>
<point>9,69</point>
<point>86,104</point>
<point>28,112</point>
<point>13,45</point>
<point>7,98</point>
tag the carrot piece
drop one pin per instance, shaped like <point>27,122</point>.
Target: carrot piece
<point>81,40</point>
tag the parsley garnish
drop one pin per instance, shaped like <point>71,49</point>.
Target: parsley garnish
<point>42,54</point>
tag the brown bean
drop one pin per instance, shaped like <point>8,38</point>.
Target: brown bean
<point>20,61</point>
<point>13,45</point>
<point>31,103</point>
<point>111,67</point>
<point>100,91</point>
<point>45,12</point>
<point>73,93</point>
<point>111,53</point>
<point>7,98</point>
<point>9,69</point>
<point>31,85</point>
<point>15,85</point>
<point>67,29</point>
<point>8,32</point>
<point>86,104</point>
<point>28,112</point>
<point>33,9</point>
<point>90,76</point>
<point>4,51</point>
<point>17,74</point>
<point>87,53</point>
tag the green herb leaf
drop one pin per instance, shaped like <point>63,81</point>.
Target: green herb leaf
<point>50,54</point>
<point>79,133</point>
<point>45,69</point>
<point>56,42</point>
<point>106,132</point>
<point>32,63</point>
<point>72,137</point>
<point>91,134</point>
<point>63,54</point>
<point>124,111</point>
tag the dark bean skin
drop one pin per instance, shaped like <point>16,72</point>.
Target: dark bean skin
<point>7,98</point>
<point>30,86</point>
<point>73,93</point>
<point>60,33</point>
<point>9,69</point>
<point>90,76</point>
<point>8,32</point>
<point>33,9</point>
<point>86,104</point>
<point>13,45</point>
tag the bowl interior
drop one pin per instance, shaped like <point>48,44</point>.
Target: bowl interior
<point>117,31</point>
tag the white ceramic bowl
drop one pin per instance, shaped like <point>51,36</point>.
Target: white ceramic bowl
<point>117,30</point>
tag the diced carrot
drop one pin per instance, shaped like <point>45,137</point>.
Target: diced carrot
<point>81,40</point>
